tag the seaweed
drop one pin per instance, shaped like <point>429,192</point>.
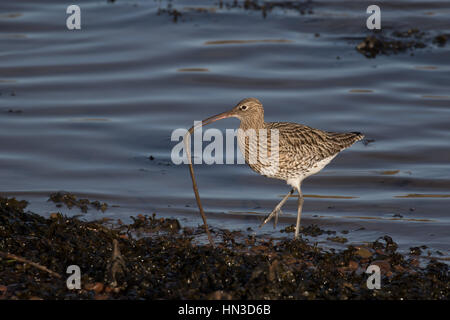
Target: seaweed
<point>70,200</point>
<point>170,264</point>
<point>398,41</point>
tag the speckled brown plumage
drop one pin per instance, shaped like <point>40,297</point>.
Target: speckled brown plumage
<point>301,148</point>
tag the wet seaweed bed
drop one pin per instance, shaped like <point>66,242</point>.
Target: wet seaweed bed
<point>398,41</point>
<point>265,7</point>
<point>155,258</point>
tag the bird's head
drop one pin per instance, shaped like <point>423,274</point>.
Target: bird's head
<point>249,109</point>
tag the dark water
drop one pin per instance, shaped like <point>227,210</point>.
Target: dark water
<point>96,103</point>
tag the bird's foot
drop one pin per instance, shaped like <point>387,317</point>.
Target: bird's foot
<point>275,214</point>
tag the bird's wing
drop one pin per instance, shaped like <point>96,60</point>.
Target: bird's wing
<point>309,143</point>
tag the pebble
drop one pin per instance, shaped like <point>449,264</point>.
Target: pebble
<point>364,252</point>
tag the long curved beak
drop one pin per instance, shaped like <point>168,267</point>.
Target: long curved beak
<point>220,116</point>
<point>205,122</point>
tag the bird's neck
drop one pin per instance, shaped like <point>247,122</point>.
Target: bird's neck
<point>253,123</point>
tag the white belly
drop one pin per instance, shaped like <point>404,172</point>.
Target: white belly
<point>260,158</point>
<point>318,166</point>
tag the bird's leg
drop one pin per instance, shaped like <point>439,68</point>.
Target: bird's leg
<point>277,210</point>
<point>299,212</point>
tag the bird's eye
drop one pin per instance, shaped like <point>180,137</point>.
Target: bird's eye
<point>244,108</point>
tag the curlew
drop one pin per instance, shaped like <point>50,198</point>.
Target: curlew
<point>281,150</point>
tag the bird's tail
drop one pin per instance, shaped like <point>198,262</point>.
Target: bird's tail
<point>345,140</point>
<point>357,136</point>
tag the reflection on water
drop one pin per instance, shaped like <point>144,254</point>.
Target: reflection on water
<point>415,195</point>
<point>390,172</point>
<point>425,67</point>
<point>193,70</point>
<point>436,97</point>
<point>323,197</point>
<point>13,36</point>
<point>83,111</point>
<point>10,15</point>
<point>248,41</point>
<point>360,91</point>
<point>392,219</point>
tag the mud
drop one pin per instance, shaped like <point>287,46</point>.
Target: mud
<point>167,262</point>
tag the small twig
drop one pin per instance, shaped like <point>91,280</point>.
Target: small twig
<point>117,263</point>
<point>187,144</point>
<point>31,263</point>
